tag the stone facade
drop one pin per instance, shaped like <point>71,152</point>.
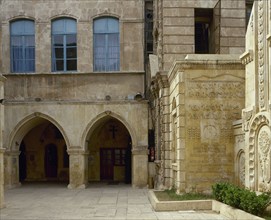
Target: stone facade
<point>256,114</point>
<point>64,111</point>
<point>193,103</point>
<point>201,97</point>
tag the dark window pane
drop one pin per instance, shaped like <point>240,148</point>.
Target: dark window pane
<point>58,40</point>
<point>71,65</point>
<point>71,52</point>
<point>71,40</point>
<point>30,53</point>
<point>58,65</point>
<point>59,53</point>
<point>17,53</point>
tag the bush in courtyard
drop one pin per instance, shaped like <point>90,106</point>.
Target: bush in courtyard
<point>241,198</point>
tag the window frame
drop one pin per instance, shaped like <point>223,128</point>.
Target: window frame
<point>106,34</point>
<point>64,34</point>
<point>23,37</point>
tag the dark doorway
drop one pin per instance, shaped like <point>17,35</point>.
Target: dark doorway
<point>107,164</point>
<point>22,163</point>
<point>50,161</point>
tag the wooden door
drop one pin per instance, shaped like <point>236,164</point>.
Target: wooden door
<point>50,161</point>
<point>106,164</point>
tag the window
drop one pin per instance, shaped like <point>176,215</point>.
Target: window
<point>64,45</point>
<point>106,44</point>
<point>22,44</point>
<point>203,30</point>
<point>148,29</point>
<point>249,5</point>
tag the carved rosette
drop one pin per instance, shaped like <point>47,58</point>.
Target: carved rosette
<point>261,53</point>
<point>256,134</point>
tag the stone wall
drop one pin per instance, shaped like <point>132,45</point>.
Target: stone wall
<point>175,28</point>
<point>129,14</point>
<point>205,95</point>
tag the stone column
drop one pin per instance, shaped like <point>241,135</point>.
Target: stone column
<point>11,165</point>
<point>140,166</point>
<point>78,168</point>
<point>2,204</point>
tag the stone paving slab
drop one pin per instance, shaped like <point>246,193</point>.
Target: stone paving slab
<point>41,201</point>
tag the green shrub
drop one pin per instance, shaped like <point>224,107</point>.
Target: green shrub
<point>241,198</point>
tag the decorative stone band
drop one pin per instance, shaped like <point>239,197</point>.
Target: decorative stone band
<point>268,38</point>
<point>247,57</point>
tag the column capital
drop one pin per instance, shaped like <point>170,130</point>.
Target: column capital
<point>143,150</point>
<point>77,150</point>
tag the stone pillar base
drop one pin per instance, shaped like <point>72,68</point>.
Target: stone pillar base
<point>140,166</point>
<point>78,169</point>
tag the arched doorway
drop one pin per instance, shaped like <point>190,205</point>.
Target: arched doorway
<point>109,147</point>
<point>43,155</point>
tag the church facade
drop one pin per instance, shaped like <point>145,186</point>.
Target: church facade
<point>138,92</point>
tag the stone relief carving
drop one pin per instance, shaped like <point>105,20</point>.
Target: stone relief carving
<point>264,154</point>
<point>216,90</point>
<point>246,116</point>
<point>261,53</point>
<point>241,169</point>
<point>259,121</point>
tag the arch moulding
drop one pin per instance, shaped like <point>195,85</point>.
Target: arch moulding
<point>26,124</point>
<point>92,125</point>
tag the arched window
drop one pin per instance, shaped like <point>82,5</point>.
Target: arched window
<point>22,45</point>
<point>64,45</point>
<point>106,44</point>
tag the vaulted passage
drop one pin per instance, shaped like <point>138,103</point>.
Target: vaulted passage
<point>43,154</point>
<point>110,152</point>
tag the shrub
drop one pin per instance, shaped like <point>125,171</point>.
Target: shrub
<point>241,198</point>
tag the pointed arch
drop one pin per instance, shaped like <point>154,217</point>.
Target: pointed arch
<point>102,117</point>
<point>26,124</point>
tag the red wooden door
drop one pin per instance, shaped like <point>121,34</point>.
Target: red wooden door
<point>106,164</point>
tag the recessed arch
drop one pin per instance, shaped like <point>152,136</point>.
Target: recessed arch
<point>26,124</point>
<point>92,125</point>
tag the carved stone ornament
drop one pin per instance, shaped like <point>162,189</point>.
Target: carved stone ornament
<point>246,116</point>
<point>242,169</point>
<point>258,122</point>
<point>264,154</point>
<point>247,57</point>
<point>261,53</point>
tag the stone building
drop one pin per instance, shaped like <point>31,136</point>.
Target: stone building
<point>74,92</point>
<point>253,137</point>
<point>132,91</point>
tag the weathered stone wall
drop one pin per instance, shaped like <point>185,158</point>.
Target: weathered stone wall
<point>174,25</point>
<point>74,101</point>
<point>209,93</point>
<point>43,12</point>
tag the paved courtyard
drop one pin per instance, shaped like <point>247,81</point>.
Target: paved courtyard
<point>98,201</point>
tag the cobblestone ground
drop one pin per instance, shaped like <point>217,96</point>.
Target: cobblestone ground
<point>99,201</point>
